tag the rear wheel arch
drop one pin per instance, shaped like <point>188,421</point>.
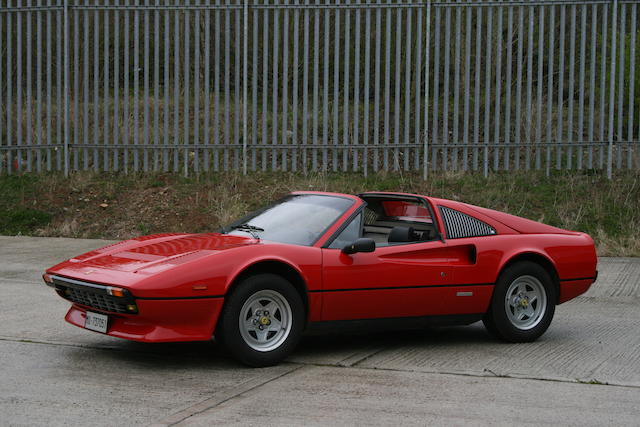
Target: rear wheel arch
<point>279,268</point>
<point>539,259</point>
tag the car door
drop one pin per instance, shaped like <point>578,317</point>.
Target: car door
<point>399,280</point>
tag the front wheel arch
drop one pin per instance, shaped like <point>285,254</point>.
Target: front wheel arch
<point>278,268</point>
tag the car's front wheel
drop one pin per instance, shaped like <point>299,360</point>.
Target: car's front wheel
<point>523,303</point>
<point>262,320</point>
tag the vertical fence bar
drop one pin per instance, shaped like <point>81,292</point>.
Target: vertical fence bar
<point>345,122</point>
<point>592,82</point>
<point>376,89</point>
<point>274,88</point>
<point>518,129</point>
<point>336,85</point>
<point>477,83</point>
<point>156,86</point>
<point>581,89</point>
<point>176,89</point>
<point>560,109</point>
<point>498,90</point>
<point>254,92</point>
<point>76,83</point>
<point>456,89</point>
<point>59,84</point>
<point>621,60</point>
<point>445,91</point>
<point>125,117</point>
<point>285,86</point>
<point>436,87</point>
<point>296,76</point>
<point>397,80</point>
<point>550,88</point>
<point>166,102</point>
<point>356,91</point>
<point>227,84</point>
<point>316,78</point>
<point>529,121</point>
<point>216,88</point>
<point>38,88</point>
<point>325,98</point>
<point>29,84</point>
<point>487,91</point>
<point>105,109</point>
<point>196,88</point>
<point>245,79</point>
<point>387,87</point>
<point>136,85</point>
<point>305,86</point>
<point>206,131</point>
<point>18,117</point>
<point>9,93</point>
<point>66,88</point>
<point>265,84</point>
<point>186,97</point>
<point>467,86</point>
<point>49,60</point>
<point>571,88</point>
<point>116,87</point>
<point>145,89</point>
<point>632,64</point>
<point>418,88</point>
<point>539,86</point>
<point>96,88</point>
<point>507,109</point>
<point>8,74</point>
<point>407,89</point>
<point>365,91</point>
<point>237,112</point>
<point>425,147</point>
<point>603,83</point>
<point>612,87</point>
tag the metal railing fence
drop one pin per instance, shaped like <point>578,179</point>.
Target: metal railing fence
<point>309,85</point>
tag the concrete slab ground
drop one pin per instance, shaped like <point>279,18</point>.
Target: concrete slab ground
<point>584,371</point>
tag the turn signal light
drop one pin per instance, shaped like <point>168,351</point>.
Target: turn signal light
<point>116,292</point>
<point>47,279</point>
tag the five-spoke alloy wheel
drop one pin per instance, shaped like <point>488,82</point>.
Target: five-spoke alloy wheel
<point>262,320</point>
<point>523,303</point>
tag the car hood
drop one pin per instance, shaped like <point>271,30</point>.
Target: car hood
<point>152,254</point>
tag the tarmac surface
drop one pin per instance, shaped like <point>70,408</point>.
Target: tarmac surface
<point>584,371</point>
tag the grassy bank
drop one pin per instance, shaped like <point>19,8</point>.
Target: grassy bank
<point>122,206</point>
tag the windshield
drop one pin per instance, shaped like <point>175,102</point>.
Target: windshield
<point>298,219</point>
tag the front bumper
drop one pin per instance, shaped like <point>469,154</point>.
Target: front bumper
<point>140,319</point>
<point>159,320</point>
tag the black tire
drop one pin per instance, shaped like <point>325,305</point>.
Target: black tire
<point>242,344</point>
<point>501,320</point>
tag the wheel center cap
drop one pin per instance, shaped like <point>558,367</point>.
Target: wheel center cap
<point>264,320</point>
<point>524,302</point>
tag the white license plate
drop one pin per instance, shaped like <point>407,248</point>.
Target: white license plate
<point>96,322</point>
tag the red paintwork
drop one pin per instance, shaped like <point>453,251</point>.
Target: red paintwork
<point>193,272</point>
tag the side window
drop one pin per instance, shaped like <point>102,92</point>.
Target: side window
<point>349,234</point>
<point>459,225</point>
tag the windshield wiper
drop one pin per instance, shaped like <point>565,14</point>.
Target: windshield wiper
<point>251,229</point>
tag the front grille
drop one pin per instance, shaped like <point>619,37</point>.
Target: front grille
<point>92,295</point>
<point>95,300</point>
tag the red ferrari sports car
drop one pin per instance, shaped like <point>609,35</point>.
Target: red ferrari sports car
<point>316,258</point>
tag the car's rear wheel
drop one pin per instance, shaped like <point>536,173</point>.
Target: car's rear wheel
<point>523,303</point>
<point>262,320</point>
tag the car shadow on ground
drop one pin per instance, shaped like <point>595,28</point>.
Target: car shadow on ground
<point>317,348</point>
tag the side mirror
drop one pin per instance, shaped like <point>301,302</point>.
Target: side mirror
<point>360,245</point>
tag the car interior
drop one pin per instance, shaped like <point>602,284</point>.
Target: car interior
<point>390,220</point>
